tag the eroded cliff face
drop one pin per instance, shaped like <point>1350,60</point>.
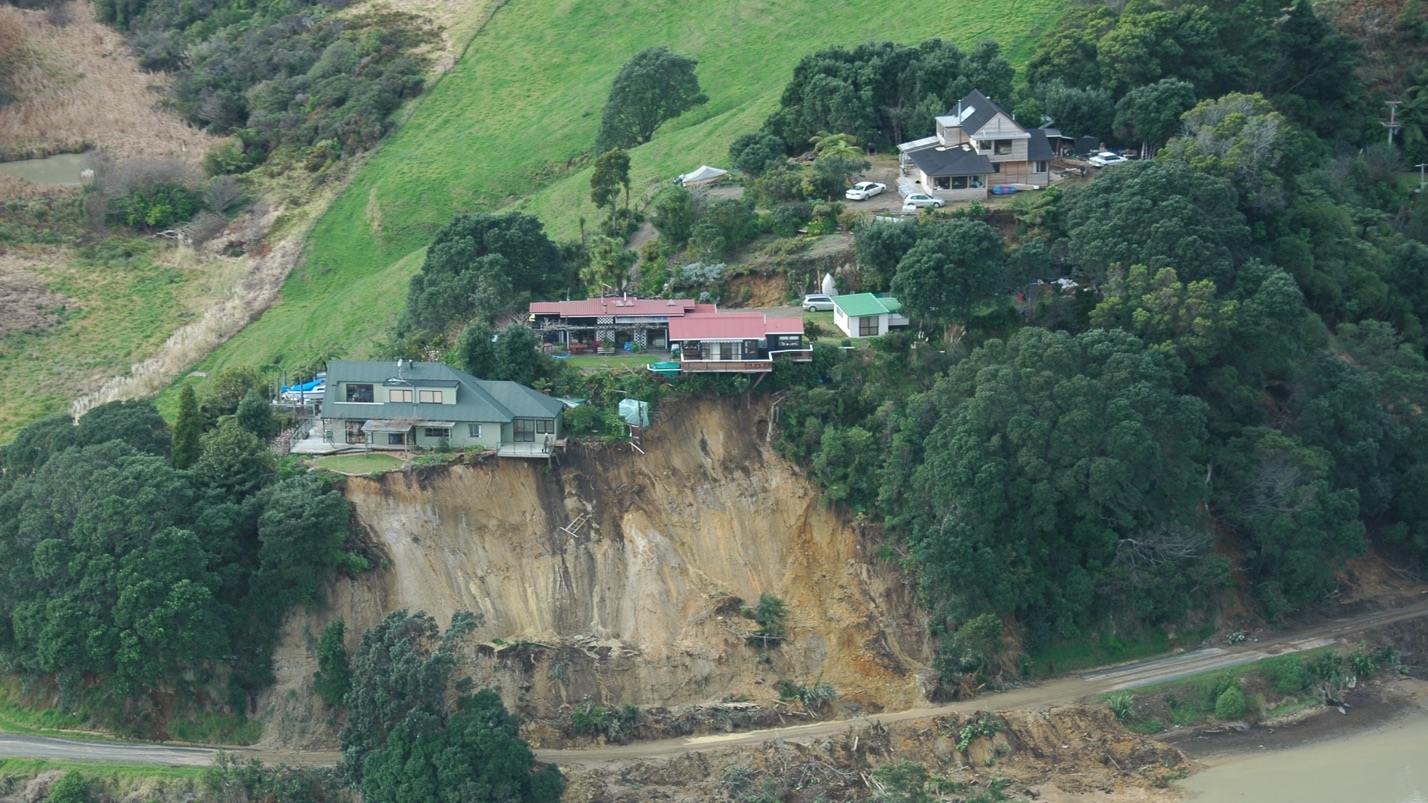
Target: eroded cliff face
<point>614,574</point>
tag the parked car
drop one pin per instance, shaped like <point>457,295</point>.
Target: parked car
<point>918,200</point>
<point>1106,159</point>
<point>817,302</point>
<point>864,190</point>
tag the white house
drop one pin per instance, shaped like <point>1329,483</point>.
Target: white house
<point>978,147</point>
<point>867,315</point>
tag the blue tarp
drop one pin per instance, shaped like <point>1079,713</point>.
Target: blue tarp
<point>304,387</point>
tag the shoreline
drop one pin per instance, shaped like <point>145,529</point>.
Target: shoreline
<point>1378,706</point>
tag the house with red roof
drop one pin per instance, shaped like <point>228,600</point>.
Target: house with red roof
<point>740,342</point>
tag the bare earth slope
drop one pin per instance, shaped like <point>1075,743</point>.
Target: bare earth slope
<point>641,604</point>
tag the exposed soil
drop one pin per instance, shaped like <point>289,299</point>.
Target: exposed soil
<point>26,305</point>
<point>1066,753</point>
<point>617,578</point>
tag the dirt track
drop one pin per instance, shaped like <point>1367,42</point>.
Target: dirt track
<point>1059,691</point>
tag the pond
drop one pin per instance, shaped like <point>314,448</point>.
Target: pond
<point>1384,766</point>
<point>62,170</point>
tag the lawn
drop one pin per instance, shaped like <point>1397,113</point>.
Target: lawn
<point>360,463</point>
<point>512,124</point>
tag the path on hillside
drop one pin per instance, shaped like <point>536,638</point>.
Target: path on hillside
<point>1057,692</point>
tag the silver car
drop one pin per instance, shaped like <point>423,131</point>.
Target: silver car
<point>918,200</point>
<point>817,302</point>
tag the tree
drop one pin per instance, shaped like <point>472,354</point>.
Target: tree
<point>1240,138</point>
<point>608,265</point>
<point>879,246</point>
<point>1158,214</point>
<point>36,444</point>
<point>333,678</point>
<point>953,267</point>
<point>404,744</point>
<point>653,87</point>
<point>725,225</point>
<point>256,416</point>
<point>612,171</point>
<point>234,461</point>
<point>1152,113</point>
<point>480,266</point>
<point>674,216</point>
<point>1088,111</point>
<point>831,176</point>
<point>840,145</point>
<point>1044,452</point>
<point>515,356</point>
<point>187,429</point>
<point>135,422</point>
<point>477,351</point>
<point>227,391</point>
<point>756,152</point>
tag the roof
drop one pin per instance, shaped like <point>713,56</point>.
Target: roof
<point>863,304</point>
<point>976,110</point>
<point>1039,148</point>
<point>477,400</point>
<point>925,142</point>
<point>621,306</point>
<point>732,326</point>
<point>959,160</point>
<point>704,173</point>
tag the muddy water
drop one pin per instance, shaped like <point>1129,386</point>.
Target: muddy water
<point>56,171</point>
<point>1386,766</point>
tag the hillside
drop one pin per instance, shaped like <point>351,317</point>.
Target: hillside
<point>641,606</point>
<point>516,117</point>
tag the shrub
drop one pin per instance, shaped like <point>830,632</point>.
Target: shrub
<point>69,788</point>
<point>1285,674</point>
<point>1230,704</point>
<point>1122,705</point>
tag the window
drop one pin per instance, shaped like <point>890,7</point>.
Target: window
<point>960,182</point>
<point>429,396</point>
<point>1038,167</point>
<point>399,395</point>
<point>355,433</point>
<point>545,426</point>
<point>396,439</point>
<point>788,341</point>
<point>436,432</point>
<point>942,182</point>
<point>362,394</point>
<point>523,430</point>
<point>868,326</point>
<point>1002,147</point>
<point>473,430</point>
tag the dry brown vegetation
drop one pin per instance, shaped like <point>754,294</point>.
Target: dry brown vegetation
<point>79,87</point>
<point>25,303</point>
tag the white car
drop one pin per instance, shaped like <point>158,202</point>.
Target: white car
<point>918,200</point>
<point>817,302</point>
<point>864,190</point>
<point>1106,159</point>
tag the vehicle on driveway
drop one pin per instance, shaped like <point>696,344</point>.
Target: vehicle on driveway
<point>919,200</point>
<point>818,302</point>
<point>1106,159</point>
<point>864,190</point>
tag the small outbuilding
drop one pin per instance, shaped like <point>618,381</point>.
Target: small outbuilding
<point>867,315</point>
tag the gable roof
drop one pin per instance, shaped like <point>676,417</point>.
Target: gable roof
<point>477,400</point>
<point>957,160</point>
<point>732,326</point>
<point>1038,149</point>
<point>976,111</point>
<point>859,305</point>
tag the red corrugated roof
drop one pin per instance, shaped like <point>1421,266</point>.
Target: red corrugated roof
<point>615,305</point>
<point>731,326</point>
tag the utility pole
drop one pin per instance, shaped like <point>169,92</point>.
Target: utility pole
<point>1392,124</point>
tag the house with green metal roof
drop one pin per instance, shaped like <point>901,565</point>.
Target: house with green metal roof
<point>867,314</point>
<point>407,404</point>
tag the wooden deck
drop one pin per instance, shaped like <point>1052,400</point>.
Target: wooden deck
<point>744,366</point>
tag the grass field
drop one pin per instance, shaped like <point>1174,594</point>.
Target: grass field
<point>513,121</point>
<point>119,303</point>
<point>359,463</point>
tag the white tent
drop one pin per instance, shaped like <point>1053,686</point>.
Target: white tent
<point>704,175</point>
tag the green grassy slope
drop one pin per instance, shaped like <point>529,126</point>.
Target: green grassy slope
<point>523,104</point>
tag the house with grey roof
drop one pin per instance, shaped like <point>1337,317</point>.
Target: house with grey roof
<point>407,404</point>
<point>978,147</point>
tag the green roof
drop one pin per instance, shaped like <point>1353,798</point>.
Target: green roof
<point>860,305</point>
<point>477,400</point>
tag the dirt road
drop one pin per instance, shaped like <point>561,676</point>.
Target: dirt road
<point>1056,692</point>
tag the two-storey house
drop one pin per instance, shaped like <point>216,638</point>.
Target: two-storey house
<point>978,147</point>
